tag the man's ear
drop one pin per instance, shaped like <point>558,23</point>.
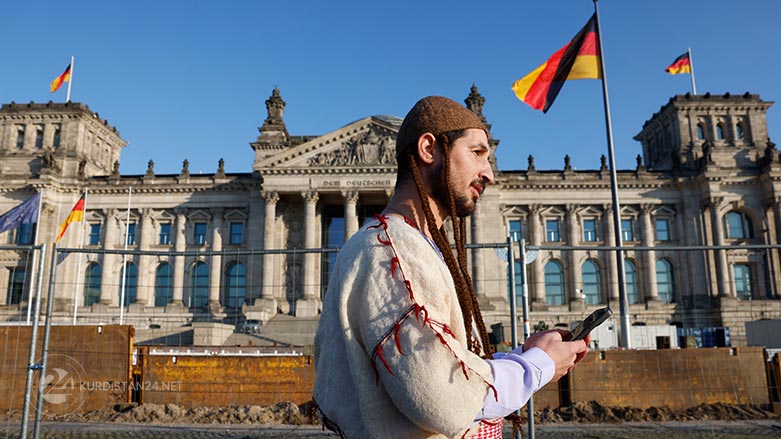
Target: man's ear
<point>426,146</point>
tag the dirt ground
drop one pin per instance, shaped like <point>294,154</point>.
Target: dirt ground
<point>287,413</point>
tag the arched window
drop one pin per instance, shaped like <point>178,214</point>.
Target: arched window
<point>554,283</point>
<point>15,286</point>
<point>92,281</point>
<point>199,286</point>
<point>720,131</point>
<point>664,281</point>
<point>163,284</point>
<point>700,131</point>
<point>235,285</point>
<point>591,283</point>
<point>742,274</point>
<point>737,225</point>
<point>131,284</point>
<point>739,130</point>
<point>631,281</point>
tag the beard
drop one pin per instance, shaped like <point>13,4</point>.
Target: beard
<point>464,204</point>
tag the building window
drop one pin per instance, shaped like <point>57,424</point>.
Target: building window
<point>664,281</point>
<point>631,281</point>
<point>237,233</point>
<point>592,288</point>
<point>235,285</point>
<point>94,234</point>
<point>131,284</point>
<point>165,234</point>
<point>554,283</point>
<point>662,229</point>
<point>92,284</point>
<point>742,274</point>
<point>739,130</point>
<point>20,137</point>
<point>163,285</point>
<point>590,230</point>
<point>627,234</point>
<point>130,237</point>
<point>737,225</point>
<point>39,137</point>
<point>199,286</point>
<point>700,131</point>
<point>516,230</point>
<point>15,286</point>
<point>25,234</point>
<point>720,131</point>
<point>332,237</point>
<point>199,234</point>
<point>56,137</point>
<point>552,230</point>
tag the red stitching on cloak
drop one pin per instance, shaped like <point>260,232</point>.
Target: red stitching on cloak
<point>440,329</point>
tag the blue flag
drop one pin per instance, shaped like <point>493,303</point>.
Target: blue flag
<point>25,213</point>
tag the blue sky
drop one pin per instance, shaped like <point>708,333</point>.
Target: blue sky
<point>188,79</point>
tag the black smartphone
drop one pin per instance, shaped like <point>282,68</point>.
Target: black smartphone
<point>594,319</point>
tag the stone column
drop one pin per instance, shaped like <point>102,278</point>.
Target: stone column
<point>576,277</point>
<point>180,245</point>
<point>649,259</point>
<point>536,232</point>
<point>215,267</point>
<point>350,214</point>
<point>268,301</point>
<point>109,287</point>
<point>612,258</point>
<point>309,305</point>
<point>722,268</point>
<point>775,236</point>
<point>146,280</point>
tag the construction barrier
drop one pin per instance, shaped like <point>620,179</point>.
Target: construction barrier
<point>97,367</point>
<point>88,367</point>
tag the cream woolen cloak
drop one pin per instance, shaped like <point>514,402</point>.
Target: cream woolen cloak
<point>437,386</point>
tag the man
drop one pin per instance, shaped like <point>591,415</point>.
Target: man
<point>401,350</point>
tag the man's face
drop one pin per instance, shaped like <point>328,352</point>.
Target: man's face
<point>470,172</point>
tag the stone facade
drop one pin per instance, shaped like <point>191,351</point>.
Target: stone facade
<point>708,176</point>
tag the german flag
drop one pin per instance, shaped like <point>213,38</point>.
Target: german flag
<point>682,64</point>
<point>77,214</point>
<point>65,77</point>
<point>579,59</point>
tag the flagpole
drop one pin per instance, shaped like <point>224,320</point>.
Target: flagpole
<point>124,259</point>
<point>622,296</point>
<point>70,82</point>
<point>691,66</point>
<point>35,256</point>
<point>78,266</point>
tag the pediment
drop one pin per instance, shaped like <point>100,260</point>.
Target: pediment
<point>369,142</point>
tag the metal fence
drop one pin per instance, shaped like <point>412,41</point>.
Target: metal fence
<point>221,299</point>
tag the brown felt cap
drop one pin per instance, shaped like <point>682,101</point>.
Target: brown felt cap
<point>435,115</point>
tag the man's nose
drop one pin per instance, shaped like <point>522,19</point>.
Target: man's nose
<point>487,174</point>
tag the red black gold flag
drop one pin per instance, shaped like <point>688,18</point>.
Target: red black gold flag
<point>77,214</point>
<point>682,64</point>
<point>58,81</point>
<point>579,59</point>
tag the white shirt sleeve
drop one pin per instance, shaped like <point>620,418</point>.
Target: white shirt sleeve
<point>517,375</point>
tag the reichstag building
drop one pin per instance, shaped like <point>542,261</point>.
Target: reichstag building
<point>696,211</point>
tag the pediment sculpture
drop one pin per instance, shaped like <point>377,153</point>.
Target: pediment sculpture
<point>365,149</point>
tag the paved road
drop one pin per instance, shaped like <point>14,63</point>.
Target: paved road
<point>635,430</point>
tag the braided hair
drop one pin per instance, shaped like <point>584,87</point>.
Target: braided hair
<point>457,265</point>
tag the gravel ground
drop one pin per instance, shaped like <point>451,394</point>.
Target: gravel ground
<point>629,430</point>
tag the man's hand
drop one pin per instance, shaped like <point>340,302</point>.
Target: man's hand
<point>563,353</point>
